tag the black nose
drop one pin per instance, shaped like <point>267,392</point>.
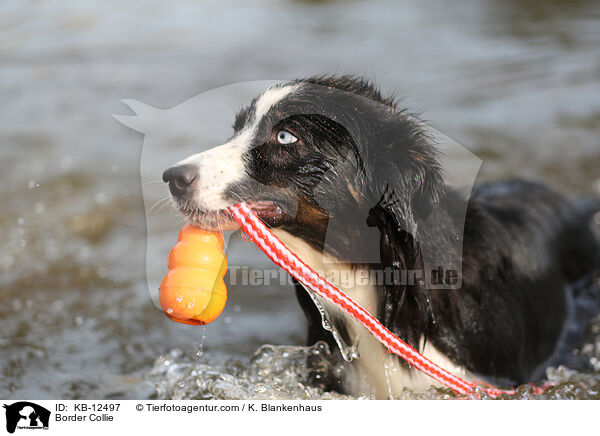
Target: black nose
<point>181,179</point>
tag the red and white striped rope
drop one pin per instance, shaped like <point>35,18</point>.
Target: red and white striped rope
<point>282,256</point>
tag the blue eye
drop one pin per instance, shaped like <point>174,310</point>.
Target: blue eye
<point>285,137</point>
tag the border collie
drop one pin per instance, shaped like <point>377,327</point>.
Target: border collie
<point>321,150</point>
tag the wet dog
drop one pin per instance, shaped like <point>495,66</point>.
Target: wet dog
<point>335,169</point>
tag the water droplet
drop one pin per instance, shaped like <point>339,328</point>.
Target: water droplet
<point>386,371</point>
<point>179,299</point>
<point>169,311</point>
<point>354,354</point>
<point>260,388</point>
<point>200,352</point>
<point>176,353</point>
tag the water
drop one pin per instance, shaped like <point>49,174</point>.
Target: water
<point>271,373</point>
<point>516,82</point>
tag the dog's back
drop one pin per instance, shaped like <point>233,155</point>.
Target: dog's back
<point>528,252</point>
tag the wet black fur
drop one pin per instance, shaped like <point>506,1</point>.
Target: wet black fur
<point>524,245</point>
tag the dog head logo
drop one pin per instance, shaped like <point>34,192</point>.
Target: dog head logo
<point>26,415</point>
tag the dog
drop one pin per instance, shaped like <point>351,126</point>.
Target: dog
<point>326,150</point>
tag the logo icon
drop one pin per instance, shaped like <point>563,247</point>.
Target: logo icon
<point>26,415</point>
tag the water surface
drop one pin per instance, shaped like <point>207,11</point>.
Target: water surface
<point>517,82</point>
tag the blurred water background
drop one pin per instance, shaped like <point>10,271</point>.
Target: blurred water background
<point>516,82</point>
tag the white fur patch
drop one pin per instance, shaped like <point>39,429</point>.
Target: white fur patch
<point>217,168</point>
<point>222,166</point>
<point>376,372</point>
<point>270,98</point>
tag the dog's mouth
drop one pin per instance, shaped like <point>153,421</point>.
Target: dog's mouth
<point>220,220</point>
<point>268,211</point>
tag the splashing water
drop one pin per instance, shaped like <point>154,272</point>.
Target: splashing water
<point>348,351</point>
<point>273,373</point>
<point>296,372</point>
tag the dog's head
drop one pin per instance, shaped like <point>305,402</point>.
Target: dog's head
<point>311,151</point>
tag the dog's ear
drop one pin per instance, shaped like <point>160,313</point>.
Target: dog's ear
<point>407,178</point>
<point>398,163</point>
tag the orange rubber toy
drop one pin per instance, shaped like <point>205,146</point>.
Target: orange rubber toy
<point>193,291</point>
